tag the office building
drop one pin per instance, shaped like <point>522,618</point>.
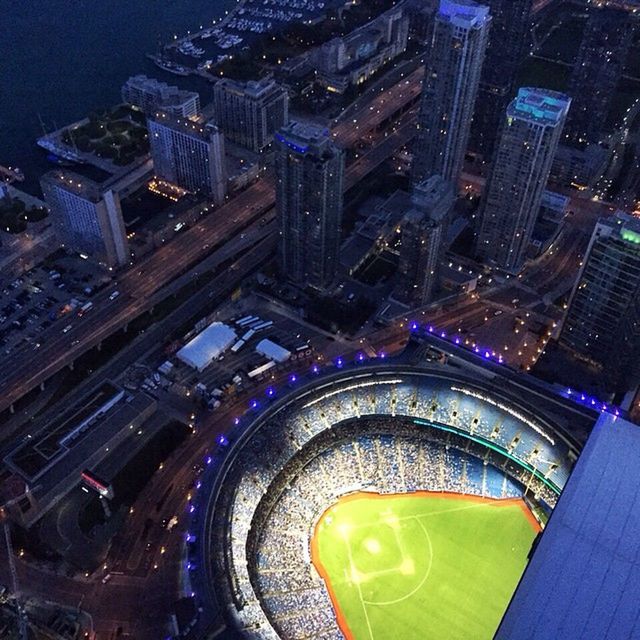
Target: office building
<point>309,173</point>
<point>602,323</point>
<point>596,73</point>
<point>511,202</point>
<point>250,113</point>
<point>87,218</point>
<point>353,59</point>
<point>509,42</point>
<point>454,60</point>
<point>423,240</point>
<point>188,154</point>
<point>150,95</point>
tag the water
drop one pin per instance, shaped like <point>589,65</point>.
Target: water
<point>60,59</point>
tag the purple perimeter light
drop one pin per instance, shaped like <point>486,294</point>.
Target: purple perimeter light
<point>315,369</point>
<point>253,404</point>
<point>271,392</point>
<point>293,378</point>
<point>236,421</point>
<point>414,326</point>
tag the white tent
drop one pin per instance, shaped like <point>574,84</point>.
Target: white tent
<point>207,346</point>
<point>272,351</point>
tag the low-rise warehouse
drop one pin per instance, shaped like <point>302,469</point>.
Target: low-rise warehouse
<point>208,345</point>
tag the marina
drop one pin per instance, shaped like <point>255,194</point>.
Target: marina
<point>249,20</point>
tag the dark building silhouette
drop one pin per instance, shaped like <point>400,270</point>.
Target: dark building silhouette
<point>596,73</point>
<point>309,173</point>
<point>509,42</point>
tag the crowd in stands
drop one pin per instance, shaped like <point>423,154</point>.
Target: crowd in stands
<point>376,434</point>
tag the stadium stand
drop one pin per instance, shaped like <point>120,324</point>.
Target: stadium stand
<point>387,430</point>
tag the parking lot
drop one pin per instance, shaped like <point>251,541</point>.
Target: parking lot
<point>240,366</point>
<point>51,292</point>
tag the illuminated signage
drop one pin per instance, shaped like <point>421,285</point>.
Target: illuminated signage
<point>95,483</point>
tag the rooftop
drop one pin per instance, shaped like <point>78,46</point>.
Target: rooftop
<point>584,577</point>
<point>542,106</point>
<point>464,13</point>
<point>303,136</point>
<point>203,131</point>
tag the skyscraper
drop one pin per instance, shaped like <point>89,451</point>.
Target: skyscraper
<point>511,202</point>
<point>188,154</point>
<point>250,113</point>
<point>309,172</point>
<point>86,218</point>
<point>453,64</point>
<point>596,73</point>
<point>509,40</point>
<point>602,323</point>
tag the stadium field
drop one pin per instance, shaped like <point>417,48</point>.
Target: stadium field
<point>422,565</point>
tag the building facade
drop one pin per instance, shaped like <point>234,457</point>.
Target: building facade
<point>454,60</point>
<point>602,323</point>
<point>596,73</point>
<point>87,219</point>
<point>353,59</point>
<point>509,43</point>
<point>250,113</point>
<point>188,154</point>
<point>309,186</point>
<point>530,134</point>
<point>420,253</point>
<point>150,95</point>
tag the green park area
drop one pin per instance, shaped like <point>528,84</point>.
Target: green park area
<point>118,135</point>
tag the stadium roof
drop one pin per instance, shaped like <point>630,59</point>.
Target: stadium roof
<point>208,345</point>
<point>273,351</point>
<point>584,577</point>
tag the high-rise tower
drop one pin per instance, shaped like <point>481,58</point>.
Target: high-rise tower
<point>453,64</point>
<point>87,218</point>
<point>309,172</point>
<point>188,154</point>
<point>509,41</point>
<point>530,134</point>
<point>602,324</point>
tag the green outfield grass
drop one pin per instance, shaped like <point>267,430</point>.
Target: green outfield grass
<point>422,565</point>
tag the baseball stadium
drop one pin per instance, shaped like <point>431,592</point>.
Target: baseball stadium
<point>379,500</point>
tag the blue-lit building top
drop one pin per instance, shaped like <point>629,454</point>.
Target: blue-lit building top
<point>463,13</point>
<point>541,106</point>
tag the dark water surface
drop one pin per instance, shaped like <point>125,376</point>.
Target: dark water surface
<point>59,59</point>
